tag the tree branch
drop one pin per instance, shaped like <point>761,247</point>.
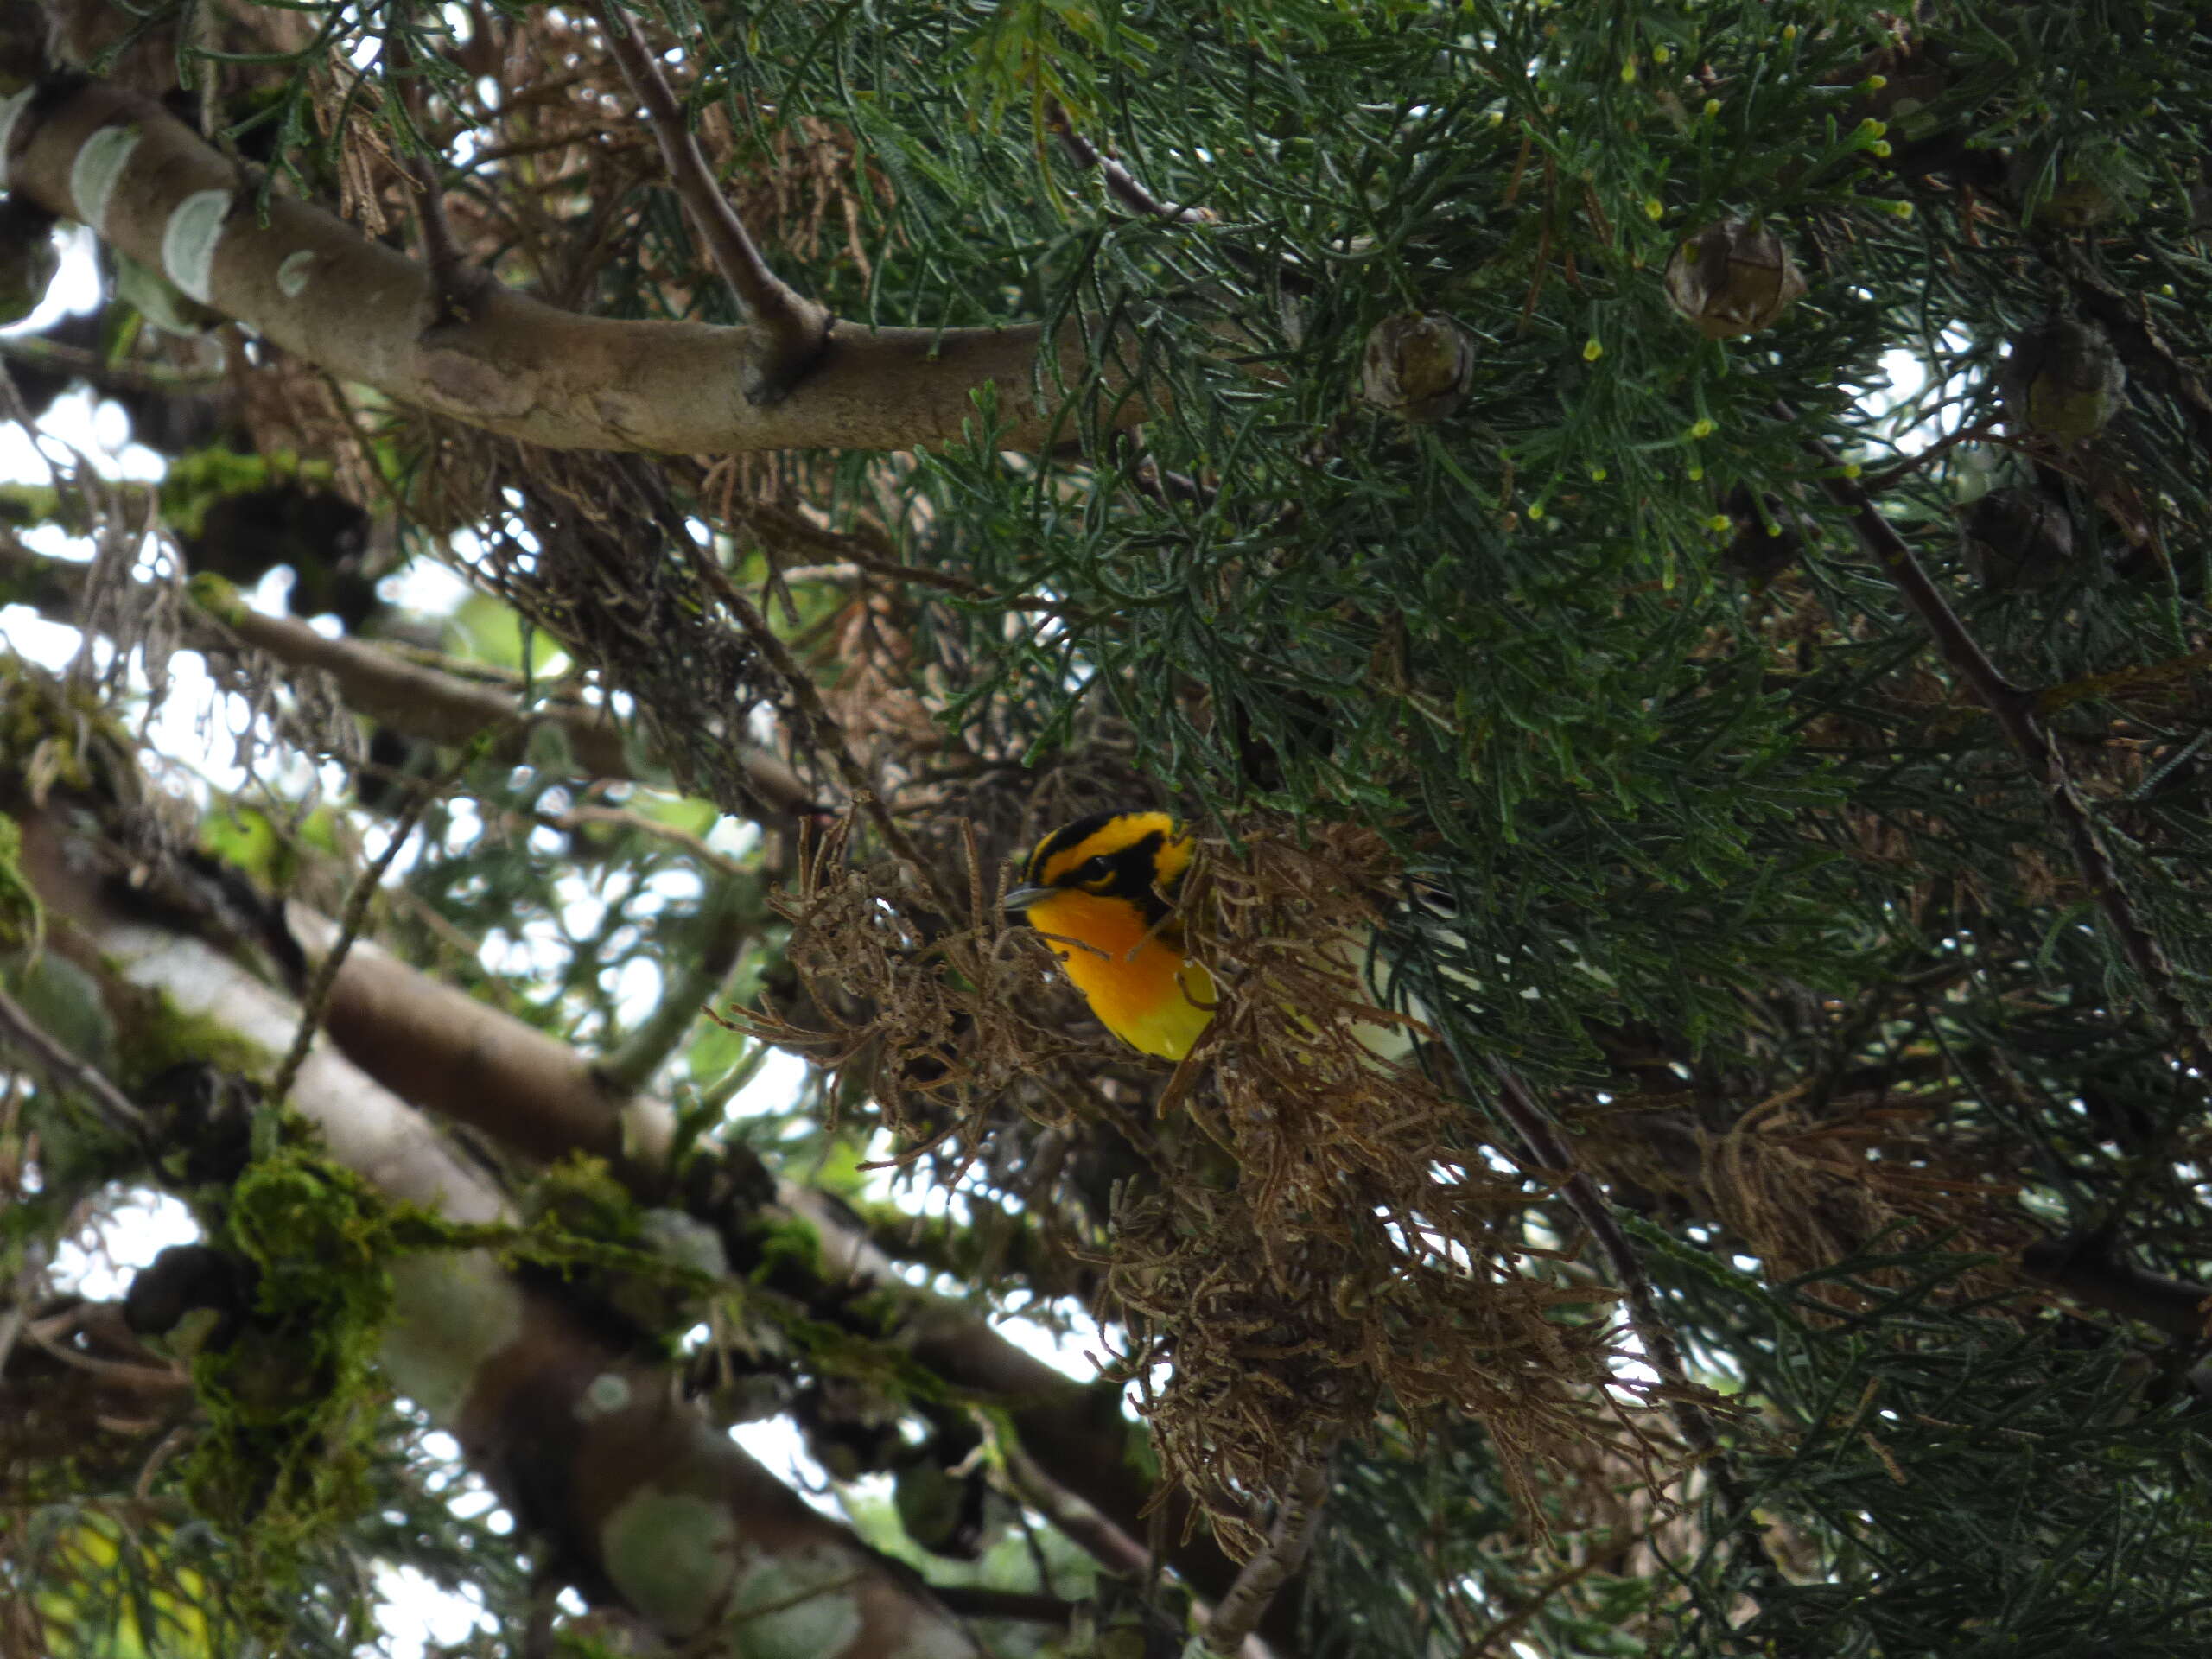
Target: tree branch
<point>2090,1271</point>
<point>20,1031</point>
<point>870,552</point>
<point>313,285</point>
<point>1265,1574</point>
<point>1071,1515</point>
<point>408,696</point>
<point>792,331</point>
<point>638,1494</point>
<point>1119,180</point>
<point>2015,711</point>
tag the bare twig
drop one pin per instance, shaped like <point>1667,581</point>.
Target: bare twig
<point>1519,1108</point>
<point>2090,1271</point>
<point>317,995</point>
<point>794,329</point>
<point>93,366</point>
<point>1071,1514</point>
<point>1500,1636</point>
<point>621,817</point>
<point>858,564</point>
<point>142,1489</point>
<point>1289,1538</point>
<point>151,1379</point>
<point>817,726</point>
<point>2016,712</point>
<point>448,708</point>
<point>1119,180</point>
<point>20,1031</point>
<point>1978,432</point>
<point>1127,448</point>
<point>866,549</point>
<point>734,905</point>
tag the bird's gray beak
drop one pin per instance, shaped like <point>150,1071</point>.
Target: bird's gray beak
<point>1020,899</point>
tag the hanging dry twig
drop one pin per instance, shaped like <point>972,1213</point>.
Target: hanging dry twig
<point>1119,180</point>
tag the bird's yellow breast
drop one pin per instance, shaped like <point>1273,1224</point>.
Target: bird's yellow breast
<point>1138,982</point>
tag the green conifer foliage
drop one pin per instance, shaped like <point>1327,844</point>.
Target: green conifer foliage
<point>1717,493</point>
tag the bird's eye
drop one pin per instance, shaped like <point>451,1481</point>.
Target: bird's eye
<point>1100,868</point>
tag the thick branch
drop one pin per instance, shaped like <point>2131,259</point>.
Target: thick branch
<point>407,695</point>
<point>790,329</point>
<point>315,286</point>
<point>463,1060</point>
<point>640,1491</point>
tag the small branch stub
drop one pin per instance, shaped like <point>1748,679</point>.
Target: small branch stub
<point>791,331</point>
<point>1732,278</point>
<point>2019,538</point>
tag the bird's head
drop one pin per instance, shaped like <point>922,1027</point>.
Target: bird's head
<point>1101,891</point>
<point>1105,869</point>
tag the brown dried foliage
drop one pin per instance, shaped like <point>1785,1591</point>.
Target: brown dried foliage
<point>1803,1183</point>
<point>1308,1238</point>
<point>598,552</point>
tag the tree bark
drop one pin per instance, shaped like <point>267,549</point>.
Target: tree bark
<point>640,1499</point>
<point>315,286</point>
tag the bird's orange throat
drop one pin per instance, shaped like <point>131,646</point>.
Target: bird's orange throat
<point>1139,983</point>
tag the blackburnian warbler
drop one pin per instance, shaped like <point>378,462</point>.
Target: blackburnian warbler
<point>1101,891</point>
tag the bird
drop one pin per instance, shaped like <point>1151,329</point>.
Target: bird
<point>1101,891</point>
